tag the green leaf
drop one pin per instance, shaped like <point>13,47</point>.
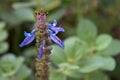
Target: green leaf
<point>3,47</point>
<point>71,78</point>
<point>56,75</point>
<point>17,16</point>
<point>97,75</point>
<point>72,45</point>
<point>86,30</point>
<point>74,49</point>
<point>4,78</point>
<point>56,14</point>
<point>45,4</point>
<point>24,14</point>
<point>112,49</point>
<point>10,64</point>
<point>23,72</point>
<point>18,63</point>
<point>19,5</point>
<point>3,35</point>
<point>2,25</point>
<point>8,57</point>
<point>103,41</point>
<point>70,70</point>
<point>90,64</point>
<point>50,4</point>
<point>58,55</point>
<point>82,51</point>
<point>109,63</point>
<point>29,52</point>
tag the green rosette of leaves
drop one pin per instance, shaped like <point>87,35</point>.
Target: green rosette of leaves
<point>85,56</point>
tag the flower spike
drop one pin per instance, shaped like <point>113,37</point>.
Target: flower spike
<point>44,34</point>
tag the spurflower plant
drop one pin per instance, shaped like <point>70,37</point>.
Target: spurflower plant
<point>86,55</point>
<point>44,33</point>
<point>52,31</point>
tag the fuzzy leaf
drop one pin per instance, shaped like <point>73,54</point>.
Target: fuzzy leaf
<point>109,63</point>
<point>58,55</point>
<point>103,41</point>
<point>3,47</point>
<point>56,14</point>
<point>98,75</point>
<point>90,64</point>
<point>19,5</point>
<point>86,30</point>
<point>70,70</point>
<point>10,64</point>
<point>29,52</point>
<point>18,15</point>
<point>50,4</point>
<point>23,72</point>
<point>74,49</point>
<point>4,78</point>
<point>71,47</point>
<point>3,35</point>
<point>112,49</point>
<point>55,75</point>
<point>2,25</point>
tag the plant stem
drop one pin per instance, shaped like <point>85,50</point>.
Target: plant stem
<point>42,65</point>
<point>42,68</point>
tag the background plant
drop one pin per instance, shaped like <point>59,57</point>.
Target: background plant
<point>12,67</point>
<point>85,55</point>
<point>89,43</point>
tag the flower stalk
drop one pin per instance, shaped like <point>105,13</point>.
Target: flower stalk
<point>44,33</point>
<point>42,65</point>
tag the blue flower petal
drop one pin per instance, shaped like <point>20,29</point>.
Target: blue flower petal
<point>57,29</point>
<point>29,34</point>
<point>26,34</point>
<point>56,39</point>
<point>53,24</point>
<point>32,32</point>
<point>29,38</point>
<point>41,51</point>
<point>50,25</point>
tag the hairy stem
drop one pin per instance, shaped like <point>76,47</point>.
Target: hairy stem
<point>42,68</point>
<point>42,65</point>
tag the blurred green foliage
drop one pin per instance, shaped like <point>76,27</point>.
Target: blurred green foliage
<point>85,53</point>
<point>4,35</point>
<point>90,44</point>
<point>13,68</point>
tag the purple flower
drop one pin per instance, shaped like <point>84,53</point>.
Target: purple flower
<point>41,50</point>
<point>56,39</point>
<point>52,30</point>
<point>29,38</point>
